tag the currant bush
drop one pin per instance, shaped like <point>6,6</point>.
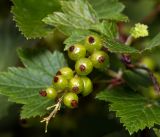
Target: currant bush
<point>104,58</point>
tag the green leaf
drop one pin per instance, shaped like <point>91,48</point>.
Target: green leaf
<point>109,29</point>
<point>76,14</point>
<point>22,85</point>
<point>28,15</point>
<point>155,42</point>
<point>157,132</point>
<point>117,47</point>
<point>137,79</point>
<point>76,37</point>
<point>109,9</point>
<point>135,111</point>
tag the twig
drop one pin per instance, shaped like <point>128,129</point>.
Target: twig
<point>53,113</point>
<point>151,75</point>
<point>129,40</point>
<point>126,59</point>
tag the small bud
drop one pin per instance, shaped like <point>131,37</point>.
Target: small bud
<point>140,30</point>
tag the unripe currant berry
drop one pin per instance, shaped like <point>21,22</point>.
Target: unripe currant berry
<point>93,42</point>
<point>88,86</point>
<point>157,75</point>
<point>151,93</point>
<point>76,85</point>
<point>60,82</point>
<point>148,62</point>
<point>100,59</point>
<point>51,93</point>
<point>76,52</point>
<point>83,66</point>
<point>70,100</point>
<point>66,72</point>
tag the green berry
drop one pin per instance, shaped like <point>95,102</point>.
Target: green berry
<point>148,62</point>
<point>157,77</point>
<point>76,85</point>
<point>88,86</point>
<point>76,52</point>
<point>100,59</point>
<point>60,82</point>
<point>151,93</point>
<point>83,66</point>
<point>93,42</point>
<point>51,93</point>
<point>70,100</point>
<point>66,72</point>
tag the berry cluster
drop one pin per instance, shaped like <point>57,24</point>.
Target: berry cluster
<point>87,55</point>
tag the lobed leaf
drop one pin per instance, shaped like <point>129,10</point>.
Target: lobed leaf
<point>76,14</point>
<point>28,15</point>
<point>135,111</point>
<point>155,42</point>
<point>109,9</point>
<point>76,37</point>
<point>22,85</point>
<point>108,29</point>
<point>115,46</point>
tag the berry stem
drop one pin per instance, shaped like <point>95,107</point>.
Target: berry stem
<point>151,75</point>
<point>129,40</point>
<point>56,107</point>
<point>126,59</point>
<point>115,74</point>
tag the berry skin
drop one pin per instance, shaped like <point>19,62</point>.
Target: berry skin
<point>51,93</point>
<point>76,52</point>
<point>148,62</point>
<point>83,66</point>
<point>66,72</point>
<point>70,100</point>
<point>60,82</point>
<point>100,59</point>
<point>76,85</point>
<point>157,77</point>
<point>151,93</point>
<point>93,42</point>
<point>88,86</point>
